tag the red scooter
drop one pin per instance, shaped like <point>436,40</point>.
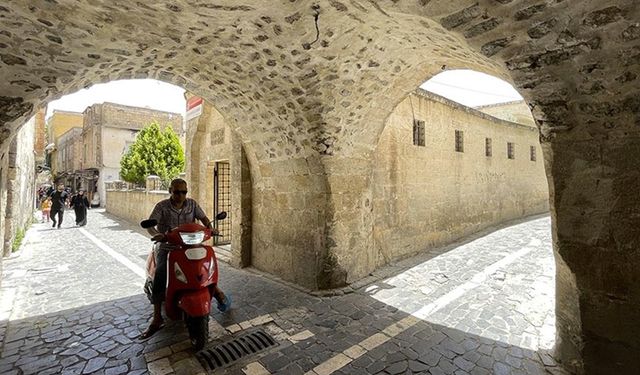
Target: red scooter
<point>192,276</point>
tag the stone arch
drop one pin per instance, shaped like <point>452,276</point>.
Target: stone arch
<point>306,84</point>
<point>577,67</point>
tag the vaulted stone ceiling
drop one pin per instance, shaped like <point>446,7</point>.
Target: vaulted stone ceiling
<point>320,76</point>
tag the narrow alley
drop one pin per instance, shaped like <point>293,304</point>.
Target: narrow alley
<point>72,303</point>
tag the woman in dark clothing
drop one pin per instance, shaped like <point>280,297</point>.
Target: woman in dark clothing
<point>80,204</point>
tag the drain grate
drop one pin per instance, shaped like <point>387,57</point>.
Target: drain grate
<point>229,352</point>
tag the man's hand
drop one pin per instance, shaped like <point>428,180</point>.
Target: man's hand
<point>214,231</point>
<point>158,237</point>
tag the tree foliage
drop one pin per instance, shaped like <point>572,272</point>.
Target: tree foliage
<point>155,152</point>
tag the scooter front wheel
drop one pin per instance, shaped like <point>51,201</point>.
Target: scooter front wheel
<point>198,328</point>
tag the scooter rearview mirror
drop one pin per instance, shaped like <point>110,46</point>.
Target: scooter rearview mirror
<point>149,223</point>
<point>221,215</point>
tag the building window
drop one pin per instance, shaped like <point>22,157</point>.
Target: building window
<point>511,150</point>
<point>418,133</point>
<point>533,153</point>
<point>487,147</point>
<point>459,141</point>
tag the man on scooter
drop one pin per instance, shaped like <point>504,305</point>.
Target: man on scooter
<point>170,213</point>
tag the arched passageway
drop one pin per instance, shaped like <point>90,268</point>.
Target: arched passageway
<point>307,85</point>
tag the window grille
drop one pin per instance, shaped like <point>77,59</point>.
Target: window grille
<point>488,151</point>
<point>459,141</point>
<point>511,153</point>
<point>533,153</point>
<point>418,133</point>
<point>222,202</point>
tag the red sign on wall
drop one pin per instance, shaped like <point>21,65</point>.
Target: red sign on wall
<point>194,107</point>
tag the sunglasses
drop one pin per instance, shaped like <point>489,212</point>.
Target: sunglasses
<point>183,192</point>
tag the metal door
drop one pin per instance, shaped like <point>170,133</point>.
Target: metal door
<point>222,201</point>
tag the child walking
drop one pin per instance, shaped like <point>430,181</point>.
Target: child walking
<point>45,206</point>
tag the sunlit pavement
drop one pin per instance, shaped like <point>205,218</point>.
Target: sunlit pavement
<point>72,303</point>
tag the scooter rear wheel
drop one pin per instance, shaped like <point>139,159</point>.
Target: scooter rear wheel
<point>198,328</point>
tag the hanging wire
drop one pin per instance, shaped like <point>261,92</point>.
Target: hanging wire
<point>472,90</point>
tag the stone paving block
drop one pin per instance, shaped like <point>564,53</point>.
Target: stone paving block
<point>355,351</point>
<point>374,341</point>
<point>94,364</point>
<point>188,366</point>
<point>333,364</point>
<point>160,367</point>
<point>234,328</point>
<point>275,363</point>
<point>164,352</point>
<point>122,369</point>
<point>255,368</point>
<point>301,336</point>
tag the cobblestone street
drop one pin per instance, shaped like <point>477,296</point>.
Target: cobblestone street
<point>72,303</point>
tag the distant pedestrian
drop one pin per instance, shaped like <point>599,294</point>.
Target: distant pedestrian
<point>45,206</point>
<point>80,204</point>
<point>58,199</point>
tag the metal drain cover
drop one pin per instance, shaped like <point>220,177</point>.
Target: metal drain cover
<point>229,352</point>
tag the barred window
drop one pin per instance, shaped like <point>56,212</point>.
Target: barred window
<point>418,133</point>
<point>459,141</point>
<point>488,151</point>
<point>511,150</point>
<point>533,153</point>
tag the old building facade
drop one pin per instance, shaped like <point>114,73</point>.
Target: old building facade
<point>92,154</point>
<point>307,87</point>
<point>59,124</point>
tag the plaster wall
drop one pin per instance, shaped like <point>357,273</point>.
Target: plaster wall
<point>59,123</point>
<point>425,197</point>
<point>115,143</point>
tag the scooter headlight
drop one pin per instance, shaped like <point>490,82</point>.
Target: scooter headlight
<point>192,238</point>
<point>179,274</point>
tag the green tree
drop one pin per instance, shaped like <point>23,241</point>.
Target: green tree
<point>154,152</point>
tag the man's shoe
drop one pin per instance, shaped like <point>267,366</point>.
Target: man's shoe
<point>226,303</point>
<point>54,225</point>
<point>153,328</point>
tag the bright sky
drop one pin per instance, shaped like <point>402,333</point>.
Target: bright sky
<point>134,92</point>
<point>463,86</point>
<point>471,88</point>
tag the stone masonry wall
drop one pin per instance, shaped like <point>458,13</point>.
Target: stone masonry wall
<point>128,117</point>
<point>516,111</point>
<point>133,206</point>
<point>4,170</point>
<point>210,140</point>
<point>429,196</point>
<point>20,184</point>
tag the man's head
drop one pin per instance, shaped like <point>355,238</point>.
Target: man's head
<point>178,190</point>
<point>60,187</point>
<point>80,192</point>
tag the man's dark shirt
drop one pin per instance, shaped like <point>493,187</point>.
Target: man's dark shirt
<point>58,198</point>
